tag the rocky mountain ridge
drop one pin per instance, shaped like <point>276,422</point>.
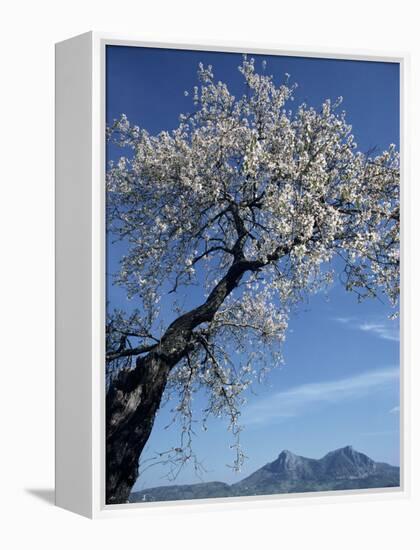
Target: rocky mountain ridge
<point>342,469</point>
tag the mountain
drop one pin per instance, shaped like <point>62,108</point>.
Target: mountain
<point>338,470</point>
<point>212,489</point>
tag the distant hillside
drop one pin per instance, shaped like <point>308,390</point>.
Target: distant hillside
<point>338,470</point>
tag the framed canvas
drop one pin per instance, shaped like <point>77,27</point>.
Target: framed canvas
<point>228,268</point>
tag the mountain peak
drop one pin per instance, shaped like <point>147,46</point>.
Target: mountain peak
<point>286,454</point>
<point>348,463</point>
<point>289,465</point>
<point>348,451</point>
<point>346,448</point>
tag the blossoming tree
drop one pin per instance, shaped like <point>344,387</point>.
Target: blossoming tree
<point>252,202</point>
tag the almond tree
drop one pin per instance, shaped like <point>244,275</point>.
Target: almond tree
<point>249,201</point>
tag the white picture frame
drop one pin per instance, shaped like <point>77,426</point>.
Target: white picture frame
<point>80,276</point>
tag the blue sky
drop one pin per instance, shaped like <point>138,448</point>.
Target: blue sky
<point>340,381</point>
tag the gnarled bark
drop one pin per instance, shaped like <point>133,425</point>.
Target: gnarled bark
<point>132,402</point>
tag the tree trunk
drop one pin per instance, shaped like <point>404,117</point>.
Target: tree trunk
<point>135,395</point>
<point>130,416</point>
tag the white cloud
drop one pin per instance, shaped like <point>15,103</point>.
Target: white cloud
<point>296,400</point>
<point>395,410</point>
<point>343,320</point>
<point>387,330</point>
